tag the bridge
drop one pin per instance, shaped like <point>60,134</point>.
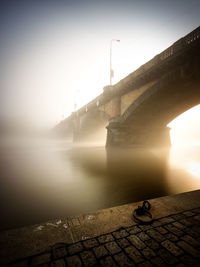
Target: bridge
<point>137,110</point>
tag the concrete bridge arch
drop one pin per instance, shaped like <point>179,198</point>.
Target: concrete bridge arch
<point>145,121</point>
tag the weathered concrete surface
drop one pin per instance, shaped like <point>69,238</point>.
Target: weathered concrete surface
<point>31,240</point>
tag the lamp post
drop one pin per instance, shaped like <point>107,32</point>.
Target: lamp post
<point>111,70</point>
<point>75,99</point>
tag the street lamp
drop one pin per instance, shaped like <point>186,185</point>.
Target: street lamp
<point>75,99</point>
<point>111,70</point>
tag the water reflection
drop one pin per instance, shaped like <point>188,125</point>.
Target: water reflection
<point>44,179</point>
<point>127,175</point>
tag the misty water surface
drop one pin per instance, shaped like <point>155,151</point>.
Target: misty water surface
<point>46,179</point>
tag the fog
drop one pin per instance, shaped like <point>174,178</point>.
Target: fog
<point>54,58</point>
<point>44,178</point>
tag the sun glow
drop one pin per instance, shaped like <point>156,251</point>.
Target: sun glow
<point>185,139</point>
<point>194,168</point>
<point>185,129</point>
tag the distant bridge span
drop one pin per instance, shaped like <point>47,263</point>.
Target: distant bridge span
<point>137,109</point>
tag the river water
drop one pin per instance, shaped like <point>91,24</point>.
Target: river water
<point>42,179</point>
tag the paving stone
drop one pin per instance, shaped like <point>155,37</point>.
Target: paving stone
<point>157,261</point>
<point>136,242</point>
<point>190,240</point>
<point>59,252</point>
<point>75,248</point>
<point>123,242</point>
<point>174,230</point>
<point>156,235</point>
<point>166,220</point>
<point>197,218</point>
<point>134,254</point>
<point>196,228</point>
<point>108,262</point>
<point>134,230</point>
<point>189,261</point>
<point>148,253</point>
<point>191,231</point>
<point>152,244</point>
<point>189,249</point>
<point>143,236</point>
<point>121,233</point>
<point>21,263</point>
<point>161,230</point>
<point>123,260</point>
<point>176,251</point>
<point>105,238</point>
<point>113,247</point>
<point>198,239</point>
<point>130,227</point>
<point>100,251</point>
<point>156,223</point>
<point>179,225</point>
<point>194,219</point>
<point>145,264</point>
<point>188,213</point>
<point>171,237</point>
<point>73,261</point>
<point>40,259</point>
<point>178,217</point>
<point>58,263</point>
<point>88,258</point>
<point>196,210</point>
<point>145,227</point>
<point>186,222</point>
<point>167,256</point>
<point>90,243</point>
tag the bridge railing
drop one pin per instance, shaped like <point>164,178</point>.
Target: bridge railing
<point>193,36</point>
<point>174,49</point>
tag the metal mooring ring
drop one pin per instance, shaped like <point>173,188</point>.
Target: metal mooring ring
<point>146,205</point>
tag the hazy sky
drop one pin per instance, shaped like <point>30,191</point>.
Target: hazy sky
<point>56,53</point>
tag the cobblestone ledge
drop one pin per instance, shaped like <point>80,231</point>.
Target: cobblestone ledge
<point>136,245</point>
<point>172,239</point>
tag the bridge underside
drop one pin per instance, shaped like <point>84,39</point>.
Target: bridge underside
<point>119,136</point>
<point>145,122</point>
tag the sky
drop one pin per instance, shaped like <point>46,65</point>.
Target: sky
<point>54,55</point>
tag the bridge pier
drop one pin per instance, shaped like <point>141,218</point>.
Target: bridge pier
<point>125,136</point>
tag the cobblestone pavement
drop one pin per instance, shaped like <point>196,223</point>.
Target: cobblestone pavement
<point>168,241</point>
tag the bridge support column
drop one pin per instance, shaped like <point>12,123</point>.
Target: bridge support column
<point>124,136</point>
<point>116,135</point>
